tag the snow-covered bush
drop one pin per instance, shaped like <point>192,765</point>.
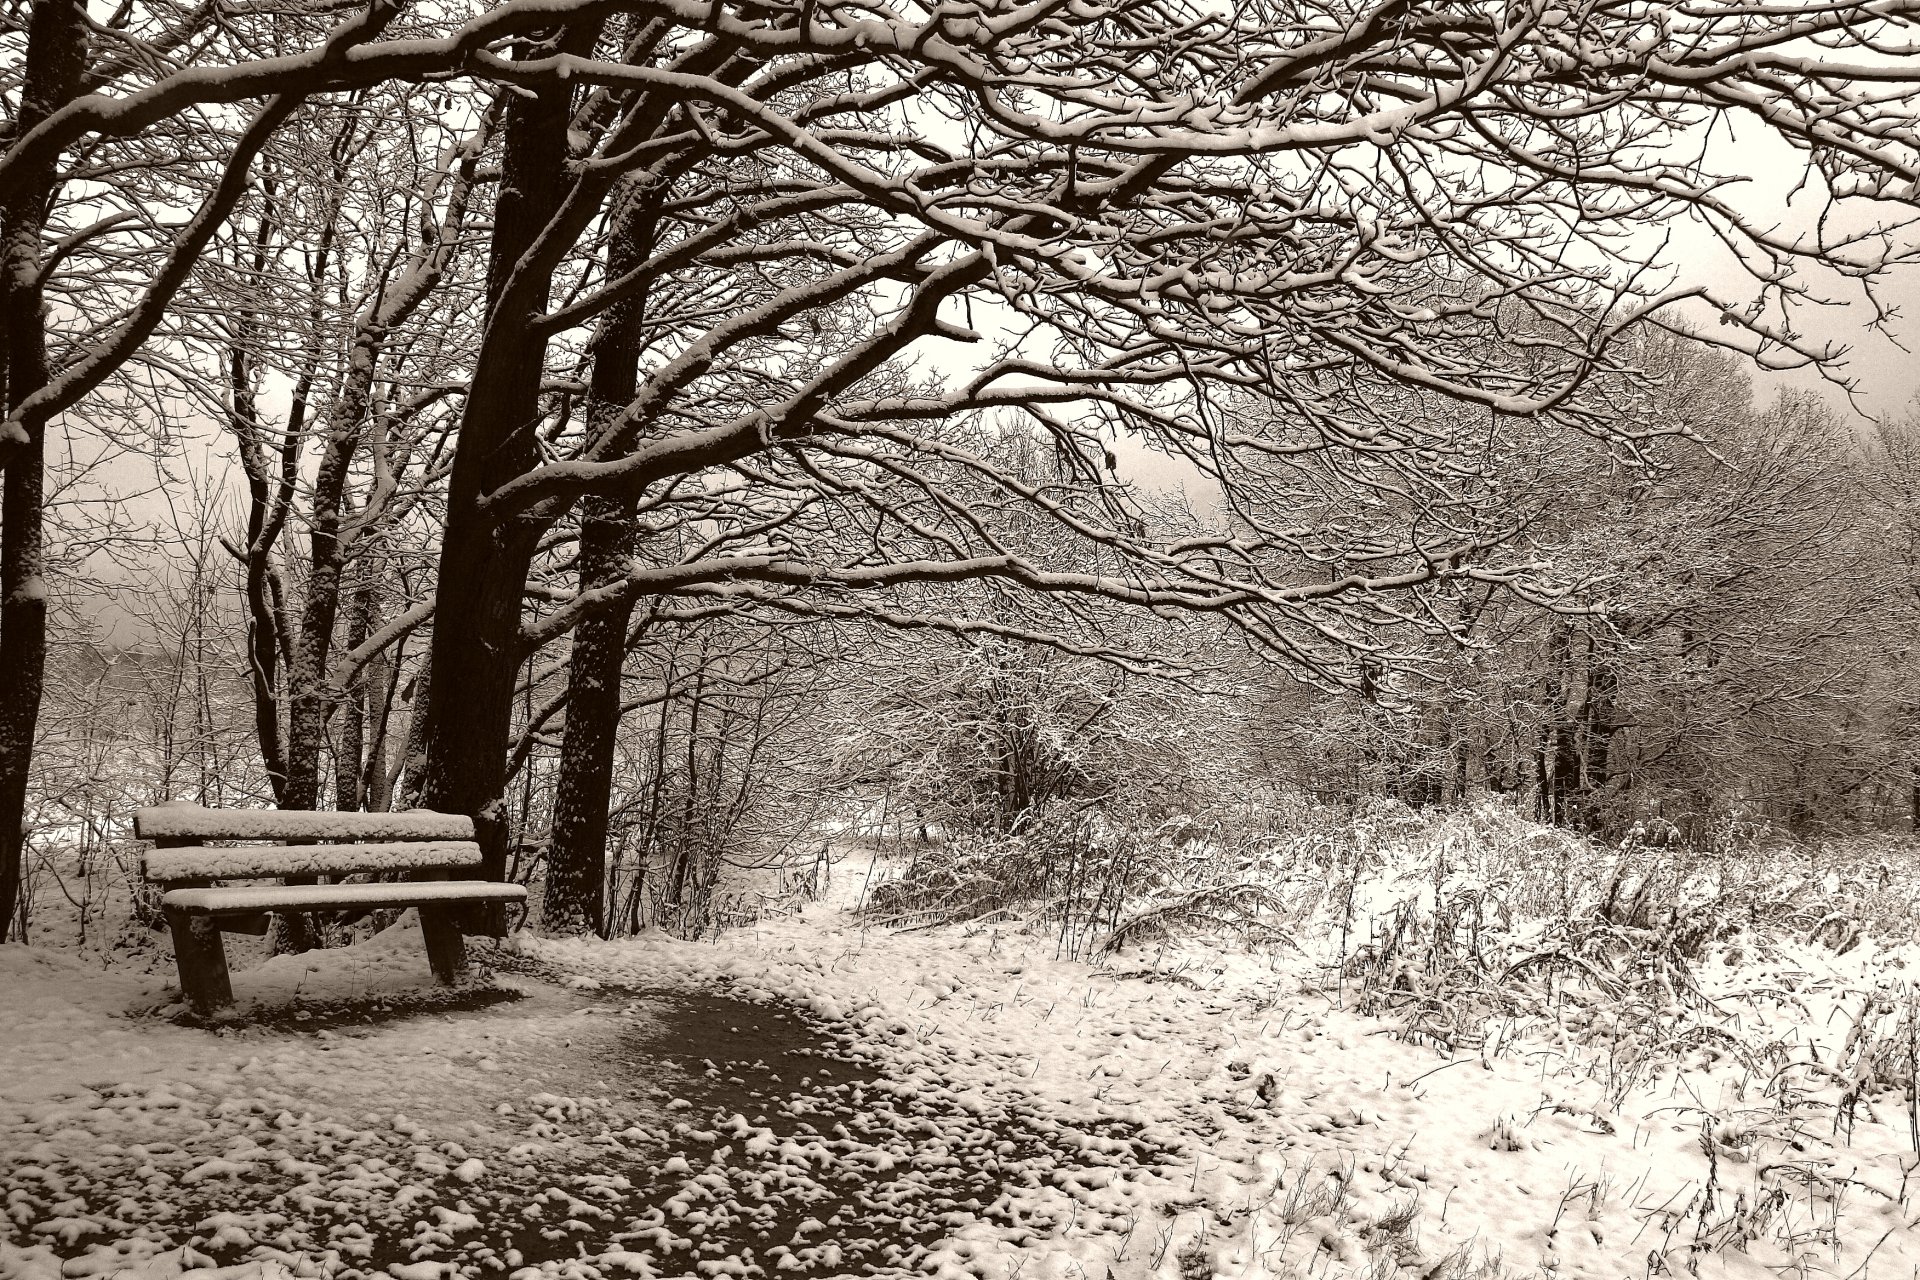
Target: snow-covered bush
<point>1063,867</point>
<point>1473,928</point>
<point>1480,931</point>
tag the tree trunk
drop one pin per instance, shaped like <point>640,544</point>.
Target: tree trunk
<point>1560,749</point>
<point>576,856</point>
<point>310,702</point>
<point>684,846</point>
<point>483,561</point>
<point>575,898</point>
<point>376,773</point>
<point>412,773</point>
<point>350,751</point>
<point>56,61</point>
<point>1601,716</point>
<point>269,501</point>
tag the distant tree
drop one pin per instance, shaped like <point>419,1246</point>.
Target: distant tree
<point>1734,669</point>
<point>1725,643</point>
<point>980,734</point>
<point>1891,475</point>
<point>146,697</point>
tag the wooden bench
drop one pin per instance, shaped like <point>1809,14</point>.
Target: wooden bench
<point>428,848</point>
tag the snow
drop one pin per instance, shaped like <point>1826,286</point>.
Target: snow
<point>191,862</point>
<point>1196,1110</point>
<point>1310,1137</point>
<point>247,899</point>
<point>192,822</point>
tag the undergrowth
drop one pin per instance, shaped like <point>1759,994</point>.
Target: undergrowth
<point>1629,970</point>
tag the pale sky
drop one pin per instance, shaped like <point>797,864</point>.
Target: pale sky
<point>1887,374</point>
<point>1776,193</point>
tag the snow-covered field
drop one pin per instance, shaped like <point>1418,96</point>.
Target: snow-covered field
<point>961,1101</point>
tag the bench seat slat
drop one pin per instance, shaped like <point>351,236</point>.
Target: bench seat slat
<point>191,822</point>
<point>248,899</point>
<point>253,862</point>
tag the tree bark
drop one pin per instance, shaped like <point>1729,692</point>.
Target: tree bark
<point>575,899</point>
<point>1600,714</point>
<point>684,845</point>
<point>309,700</point>
<point>56,63</point>
<point>272,477</point>
<point>349,752</point>
<point>1559,764</point>
<point>484,562</point>
<point>376,787</point>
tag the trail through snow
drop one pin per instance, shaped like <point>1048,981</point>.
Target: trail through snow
<point>839,1100</point>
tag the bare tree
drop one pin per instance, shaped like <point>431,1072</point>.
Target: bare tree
<point>362,342</point>
<point>886,239</point>
<point>1891,477</point>
<point>52,76</point>
<point>1723,647</point>
<point>1310,227</point>
<point>90,271</point>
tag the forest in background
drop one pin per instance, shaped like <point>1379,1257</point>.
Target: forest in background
<point>676,434</point>
<point>1741,653</point>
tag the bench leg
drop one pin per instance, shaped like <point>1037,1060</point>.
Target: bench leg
<point>446,949</point>
<point>201,957</point>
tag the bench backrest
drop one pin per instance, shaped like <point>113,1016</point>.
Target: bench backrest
<point>191,822</point>
<point>416,840</point>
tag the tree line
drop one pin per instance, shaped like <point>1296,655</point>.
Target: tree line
<point>621,396</point>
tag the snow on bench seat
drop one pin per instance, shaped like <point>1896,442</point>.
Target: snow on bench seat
<point>251,862</point>
<point>191,822</point>
<point>252,899</point>
<point>418,843</point>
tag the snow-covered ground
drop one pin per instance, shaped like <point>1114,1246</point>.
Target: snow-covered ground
<point>962,1102</point>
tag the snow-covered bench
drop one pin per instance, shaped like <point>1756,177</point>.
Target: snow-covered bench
<point>427,847</point>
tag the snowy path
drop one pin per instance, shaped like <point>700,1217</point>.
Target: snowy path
<point>978,1108</point>
<point>1303,1139</point>
<point>655,1132</point>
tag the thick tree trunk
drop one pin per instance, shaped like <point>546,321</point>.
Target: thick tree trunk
<point>23,657</point>
<point>483,561</point>
<point>577,853</point>
<point>575,899</point>
<point>56,62</point>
